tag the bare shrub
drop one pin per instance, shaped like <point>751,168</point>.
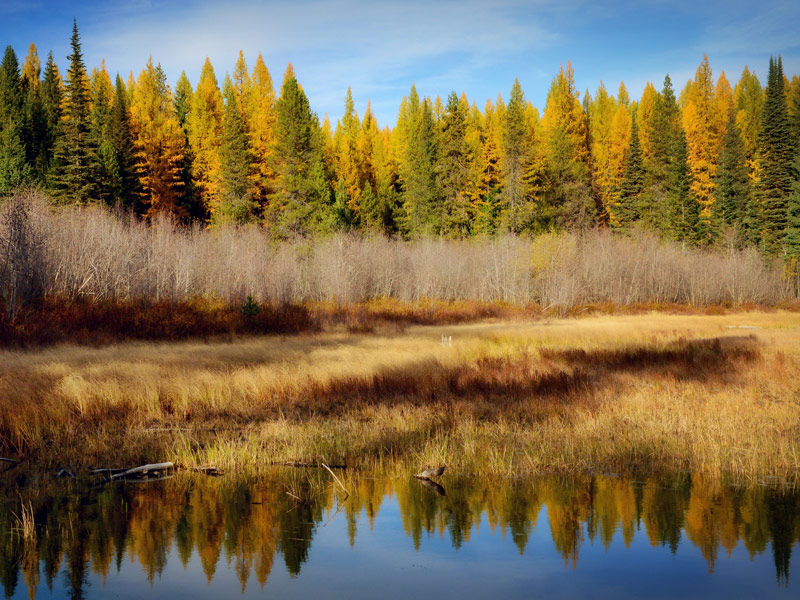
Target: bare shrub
<point>95,253</point>
<point>23,272</point>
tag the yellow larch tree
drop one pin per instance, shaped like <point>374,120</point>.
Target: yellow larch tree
<point>602,109</point>
<point>702,136</point>
<point>31,68</point>
<point>348,167</point>
<point>204,124</point>
<point>646,119</point>
<point>158,140</point>
<point>619,138</point>
<point>242,85</point>
<point>261,122</point>
<point>725,105</point>
<point>564,112</point>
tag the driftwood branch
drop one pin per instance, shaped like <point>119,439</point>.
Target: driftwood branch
<point>143,470</point>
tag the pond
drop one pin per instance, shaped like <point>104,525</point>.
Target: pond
<point>297,533</point>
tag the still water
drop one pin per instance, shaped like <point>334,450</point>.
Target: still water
<point>298,534</point>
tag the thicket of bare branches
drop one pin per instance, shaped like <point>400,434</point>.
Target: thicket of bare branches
<point>97,253</point>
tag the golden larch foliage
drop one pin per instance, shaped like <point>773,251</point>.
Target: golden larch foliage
<point>204,124</point>
<point>261,121</point>
<point>158,140</point>
<point>702,137</point>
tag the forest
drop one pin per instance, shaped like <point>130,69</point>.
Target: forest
<point>713,163</point>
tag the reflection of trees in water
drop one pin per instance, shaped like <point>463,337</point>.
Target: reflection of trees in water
<point>249,523</point>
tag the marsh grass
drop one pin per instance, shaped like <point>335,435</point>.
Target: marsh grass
<point>616,393</point>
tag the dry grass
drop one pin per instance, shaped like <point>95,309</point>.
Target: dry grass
<point>611,393</point>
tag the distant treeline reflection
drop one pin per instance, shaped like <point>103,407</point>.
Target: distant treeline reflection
<point>78,529</point>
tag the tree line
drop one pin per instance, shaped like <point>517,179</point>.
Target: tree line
<point>715,161</point>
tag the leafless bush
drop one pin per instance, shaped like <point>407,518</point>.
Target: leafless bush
<point>93,252</point>
<point>23,273</point>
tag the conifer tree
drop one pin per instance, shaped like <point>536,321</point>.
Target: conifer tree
<point>74,150</point>
<point>733,183</point>
<point>700,121</point>
<point>34,126</point>
<point>235,203</point>
<point>121,141</point>
<point>453,169</point>
<point>684,209</point>
<point>775,161</point>
<point>516,208</point>
<point>564,123</point>
<point>792,235</point>
<point>14,167</point>
<point>107,181</point>
<point>195,208</point>
<point>301,203</point>
<point>51,98</point>
<point>602,110</point>
<point>486,203</point>
<point>159,141</point>
<point>262,123</point>
<point>204,124</point>
<point>347,160</point>
<point>749,99</point>
<point>631,194</point>
<point>421,199</point>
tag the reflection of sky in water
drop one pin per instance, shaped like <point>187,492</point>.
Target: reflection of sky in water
<point>384,563</point>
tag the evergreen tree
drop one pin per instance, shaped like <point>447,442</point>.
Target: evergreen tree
<point>421,201</point>
<point>631,194</point>
<point>517,210</point>
<point>34,126</point>
<point>195,209</point>
<point>121,142</point>
<point>51,98</point>
<point>14,168</point>
<point>107,181</point>
<point>301,203</point>
<point>775,163</point>
<point>452,169</point>
<point>236,198</point>
<point>733,182</point>
<point>74,151</point>
<point>569,196</point>
<point>684,209</point>
<point>792,236</point>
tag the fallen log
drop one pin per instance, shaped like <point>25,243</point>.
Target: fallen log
<point>143,470</point>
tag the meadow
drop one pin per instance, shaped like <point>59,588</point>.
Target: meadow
<point>651,392</point>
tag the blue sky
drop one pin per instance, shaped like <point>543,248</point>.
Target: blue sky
<point>381,48</point>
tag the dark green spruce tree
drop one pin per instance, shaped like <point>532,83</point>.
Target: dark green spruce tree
<point>632,188</point>
<point>452,168</point>
<point>236,203</point>
<point>120,138</point>
<point>733,194</point>
<point>516,208</point>
<point>72,180</point>
<point>776,162</point>
<point>14,168</point>
<point>421,199</point>
<point>302,203</point>
<point>684,210</point>
<point>51,96</point>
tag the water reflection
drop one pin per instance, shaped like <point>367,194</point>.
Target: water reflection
<point>245,527</point>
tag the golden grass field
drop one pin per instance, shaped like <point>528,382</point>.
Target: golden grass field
<point>718,394</point>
